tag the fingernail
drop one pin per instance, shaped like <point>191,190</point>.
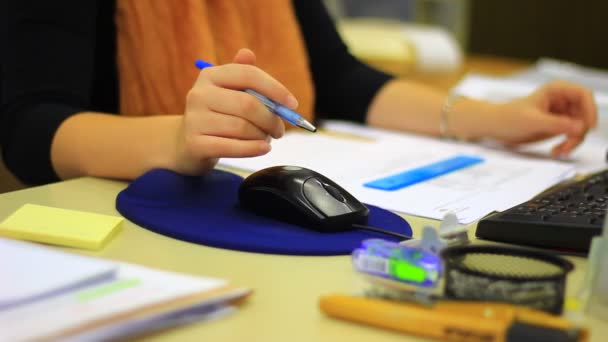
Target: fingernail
<point>269,139</point>
<point>265,147</point>
<point>291,102</point>
<point>578,128</point>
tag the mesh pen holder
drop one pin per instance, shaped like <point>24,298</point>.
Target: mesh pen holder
<point>506,274</point>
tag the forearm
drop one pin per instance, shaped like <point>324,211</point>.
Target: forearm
<point>408,106</point>
<point>104,145</point>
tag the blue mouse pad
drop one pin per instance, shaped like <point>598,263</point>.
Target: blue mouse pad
<point>205,210</point>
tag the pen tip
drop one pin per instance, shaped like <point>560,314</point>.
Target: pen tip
<point>307,125</point>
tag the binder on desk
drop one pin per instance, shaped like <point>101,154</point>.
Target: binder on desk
<point>136,299</point>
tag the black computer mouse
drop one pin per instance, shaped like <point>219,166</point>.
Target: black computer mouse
<point>301,196</point>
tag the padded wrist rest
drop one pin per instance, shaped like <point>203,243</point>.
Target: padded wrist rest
<point>204,210</point>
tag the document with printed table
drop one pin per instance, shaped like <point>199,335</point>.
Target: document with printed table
<point>129,299</point>
<point>354,155</point>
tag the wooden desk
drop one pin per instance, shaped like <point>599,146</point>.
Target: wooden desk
<point>284,306</point>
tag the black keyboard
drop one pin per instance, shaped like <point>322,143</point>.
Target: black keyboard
<point>564,218</point>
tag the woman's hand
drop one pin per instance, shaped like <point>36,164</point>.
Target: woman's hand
<point>222,121</point>
<point>554,109</point>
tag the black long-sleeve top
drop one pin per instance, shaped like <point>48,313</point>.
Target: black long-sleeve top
<point>58,58</point>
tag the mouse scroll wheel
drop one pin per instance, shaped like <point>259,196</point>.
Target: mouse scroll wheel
<point>335,193</point>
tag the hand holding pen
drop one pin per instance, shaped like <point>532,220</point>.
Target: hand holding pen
<point>284,112</point>
<point>222,121</point>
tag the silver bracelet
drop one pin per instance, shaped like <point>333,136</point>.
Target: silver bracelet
<point>445,110</point>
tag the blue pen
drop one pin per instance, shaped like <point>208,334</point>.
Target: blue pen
<point>280,110</point>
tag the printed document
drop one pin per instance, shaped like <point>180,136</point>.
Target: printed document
<point>352,155</point>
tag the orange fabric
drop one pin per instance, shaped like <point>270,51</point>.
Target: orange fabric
<point>158,42</point>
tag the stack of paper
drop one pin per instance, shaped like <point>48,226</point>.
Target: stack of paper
<point>25,279</point>
<point>63,296</point>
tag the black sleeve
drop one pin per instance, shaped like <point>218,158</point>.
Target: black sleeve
<point>47,74</point>
<point>344,86</point>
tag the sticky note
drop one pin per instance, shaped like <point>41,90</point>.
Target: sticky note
<point>62,227</point>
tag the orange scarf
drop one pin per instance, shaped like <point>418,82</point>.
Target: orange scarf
<point>159,40</point>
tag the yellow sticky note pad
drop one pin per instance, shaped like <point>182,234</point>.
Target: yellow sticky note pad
<point>60,226</point>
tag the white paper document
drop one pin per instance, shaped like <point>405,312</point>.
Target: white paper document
<point>137,299</point>
<point>25,274</point>
<point>135,287</point>
<point>352,155</point>
<point>589,157</point>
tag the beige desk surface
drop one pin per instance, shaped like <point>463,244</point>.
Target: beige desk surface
<point>284,305</point>
<point>287,288</point>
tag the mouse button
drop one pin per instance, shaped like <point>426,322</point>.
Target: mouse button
<point>320,198</point>
<point>335,193</point>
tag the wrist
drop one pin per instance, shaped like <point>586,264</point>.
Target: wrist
<point>468,119</point>
<point>164,152</point>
